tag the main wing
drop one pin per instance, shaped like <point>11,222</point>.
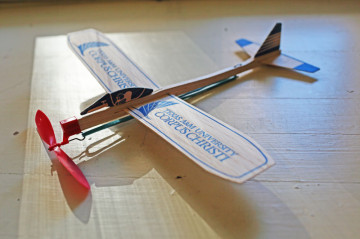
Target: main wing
<point>215,146</point>
<point>121,78</point>
<point>112,68</point>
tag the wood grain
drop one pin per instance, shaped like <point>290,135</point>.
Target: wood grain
<point>308,123</point>
<point>115,188</point>
<point>140,167</point>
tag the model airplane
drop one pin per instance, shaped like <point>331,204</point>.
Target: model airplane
<point>215,146</point>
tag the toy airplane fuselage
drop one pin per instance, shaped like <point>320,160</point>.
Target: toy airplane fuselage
<point>215,146</point>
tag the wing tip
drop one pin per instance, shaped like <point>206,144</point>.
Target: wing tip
<point>243,42</point>
<point>307,67</point>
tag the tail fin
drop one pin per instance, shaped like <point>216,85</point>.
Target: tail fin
<point>271,43</point>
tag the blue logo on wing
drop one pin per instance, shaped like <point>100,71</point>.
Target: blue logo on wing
<point>88,45</point>
<point>146,109</point>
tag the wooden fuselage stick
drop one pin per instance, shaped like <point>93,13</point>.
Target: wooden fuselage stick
<point>115,112</point>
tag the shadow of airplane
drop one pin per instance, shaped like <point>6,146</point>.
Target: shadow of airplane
<point>130,151</point>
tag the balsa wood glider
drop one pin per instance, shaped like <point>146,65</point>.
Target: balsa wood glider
<point>215,146</point>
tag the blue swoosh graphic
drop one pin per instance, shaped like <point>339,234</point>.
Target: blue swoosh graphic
<point>146,109</point>
<point>88,45</point>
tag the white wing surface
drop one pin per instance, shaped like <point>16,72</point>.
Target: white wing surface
<point>110,66</point>
<point>291,63</point>
<point>215,146</point>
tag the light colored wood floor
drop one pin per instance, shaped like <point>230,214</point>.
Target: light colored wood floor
<point>308,123</point>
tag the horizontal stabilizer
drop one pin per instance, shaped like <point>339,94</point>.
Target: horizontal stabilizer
<point>290,63</point>
<point>248,46</point>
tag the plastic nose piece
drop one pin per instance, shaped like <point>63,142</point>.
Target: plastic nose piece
<point>45,128</point>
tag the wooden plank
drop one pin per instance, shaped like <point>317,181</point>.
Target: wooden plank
<point>133,201</point>
<point>326,35</point>
<point>311,193</point>
<point>337,116</point>
<point>300,210</point>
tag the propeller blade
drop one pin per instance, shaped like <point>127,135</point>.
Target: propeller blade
<point>73,169</point>
<point>45,128</point>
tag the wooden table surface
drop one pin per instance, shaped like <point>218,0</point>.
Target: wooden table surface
<point>308,123</point>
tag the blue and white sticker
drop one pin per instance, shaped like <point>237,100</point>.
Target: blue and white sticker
<point>215,146</point>
<point>110,65</point>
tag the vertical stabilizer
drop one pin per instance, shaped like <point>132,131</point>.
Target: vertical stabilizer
<point>271,43</point>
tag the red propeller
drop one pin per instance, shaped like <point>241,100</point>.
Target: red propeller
<point>47,134</point>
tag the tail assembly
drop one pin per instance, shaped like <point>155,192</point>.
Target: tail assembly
<point>272,45</point>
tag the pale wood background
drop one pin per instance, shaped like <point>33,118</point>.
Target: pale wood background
<point>308,123</point>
